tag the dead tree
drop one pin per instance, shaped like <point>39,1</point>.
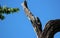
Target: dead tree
<point>52,27</point>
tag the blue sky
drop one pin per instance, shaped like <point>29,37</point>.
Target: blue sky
<point>17,25</point>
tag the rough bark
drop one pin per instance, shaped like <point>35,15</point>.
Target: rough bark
<point>52,27</point>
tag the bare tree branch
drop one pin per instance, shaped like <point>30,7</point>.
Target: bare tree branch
<point>52,27</point>
<point>34,20</point>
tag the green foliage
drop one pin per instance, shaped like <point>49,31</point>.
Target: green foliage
<point>1,17</point>
<point>6,10</point>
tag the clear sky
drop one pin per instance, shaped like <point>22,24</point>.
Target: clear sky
<point>17,25</point>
